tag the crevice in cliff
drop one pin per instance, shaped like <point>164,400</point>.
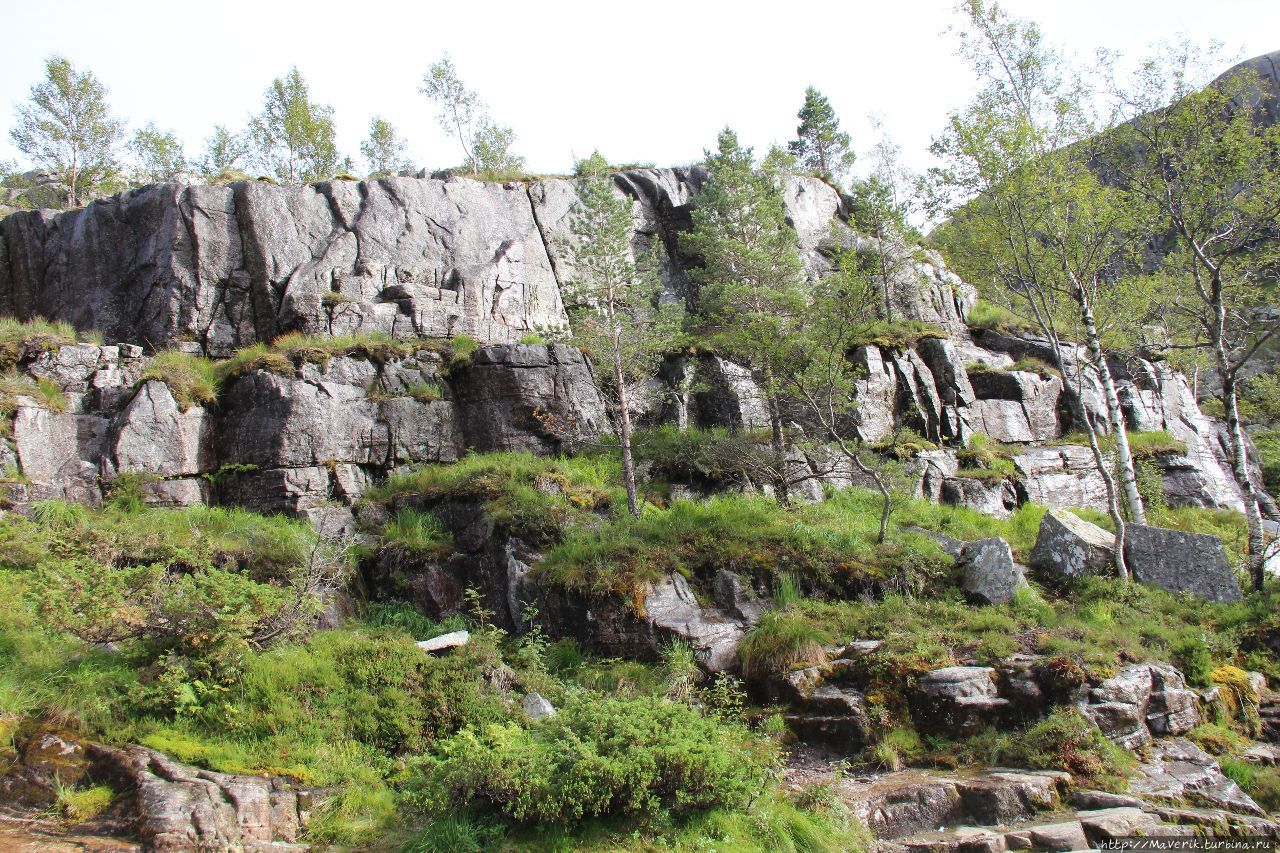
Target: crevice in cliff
<point>546,243</point>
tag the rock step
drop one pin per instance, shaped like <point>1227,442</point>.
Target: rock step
<point>911,802</point>
<point>1269,715</point>
<point>1060,830</point>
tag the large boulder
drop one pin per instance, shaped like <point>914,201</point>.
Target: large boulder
<point>1139,702</point>
<point>1067,546</point>
<point>989,574</point>
<point>1181,562</point>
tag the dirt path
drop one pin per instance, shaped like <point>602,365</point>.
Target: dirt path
<point>32,835</point>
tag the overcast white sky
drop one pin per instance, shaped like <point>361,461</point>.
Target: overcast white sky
<point>647,81</point>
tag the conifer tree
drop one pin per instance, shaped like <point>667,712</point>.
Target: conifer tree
<point>617,312</point>
<point>752,293</point>
<point>820,145</point>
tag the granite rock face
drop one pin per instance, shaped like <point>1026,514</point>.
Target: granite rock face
<point>296,441</point>
<point>227,266</point>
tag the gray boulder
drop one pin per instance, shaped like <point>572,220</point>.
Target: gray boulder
<point>957,701</point>
<point>1181,562</point>
<point>1067,546</point>
<point>988,573</point>
<point>537,708</point>
<point>1178,770</point>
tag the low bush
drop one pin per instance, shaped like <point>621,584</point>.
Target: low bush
<point>24,340</point>
<point>598,757</point>
<point>534,496</point>
<point>202,584</point>
<point>781,641</point>
<point>988,315</point>
<point>896,334</point>
<point>1064,740</point>
<point>415,532</point>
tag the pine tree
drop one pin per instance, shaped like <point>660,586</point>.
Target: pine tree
<point>618,314</point>
<point>821,146</point>
<point>752,292</point>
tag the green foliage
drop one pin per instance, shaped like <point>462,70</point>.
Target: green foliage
<point>897,334</point>
<point>1064,740</point>
<point>203,584</point>
<point>597,757</point>
<point>595,165</point>
<point>224,155</point>
<point>1217,739</point>
<point>415,532</point>
<point>21,341</point>
<point>289,352</point>
<point>989,315</point>
<point>67,129</point>
<point>384,150</point>
<point>157,154</point>
<point>820,146</point>
<point>828,545</point>
<point>82,804</point>
<point>782,641</point>
<point>293,136</point>
<point>192,379</point>
<point>539,497</point>
<point>1261,783</point>
<point>463,115</point>
<point>752,292</point>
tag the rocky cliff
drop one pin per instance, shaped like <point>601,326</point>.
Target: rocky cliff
<point>211,270</point>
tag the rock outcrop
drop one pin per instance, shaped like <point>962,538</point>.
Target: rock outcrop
<point>168,806</point>
<point>1178,561</point>
<point>1067,546</point>
<point>294,441</point>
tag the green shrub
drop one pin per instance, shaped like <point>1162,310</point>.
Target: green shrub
<point>599,757</point>
<point>896,334</point>
<point>192,380</point>
<point>202,583</point>
<point>1064,740</point>
<point>1217,739</point>
<point>781,641</point>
